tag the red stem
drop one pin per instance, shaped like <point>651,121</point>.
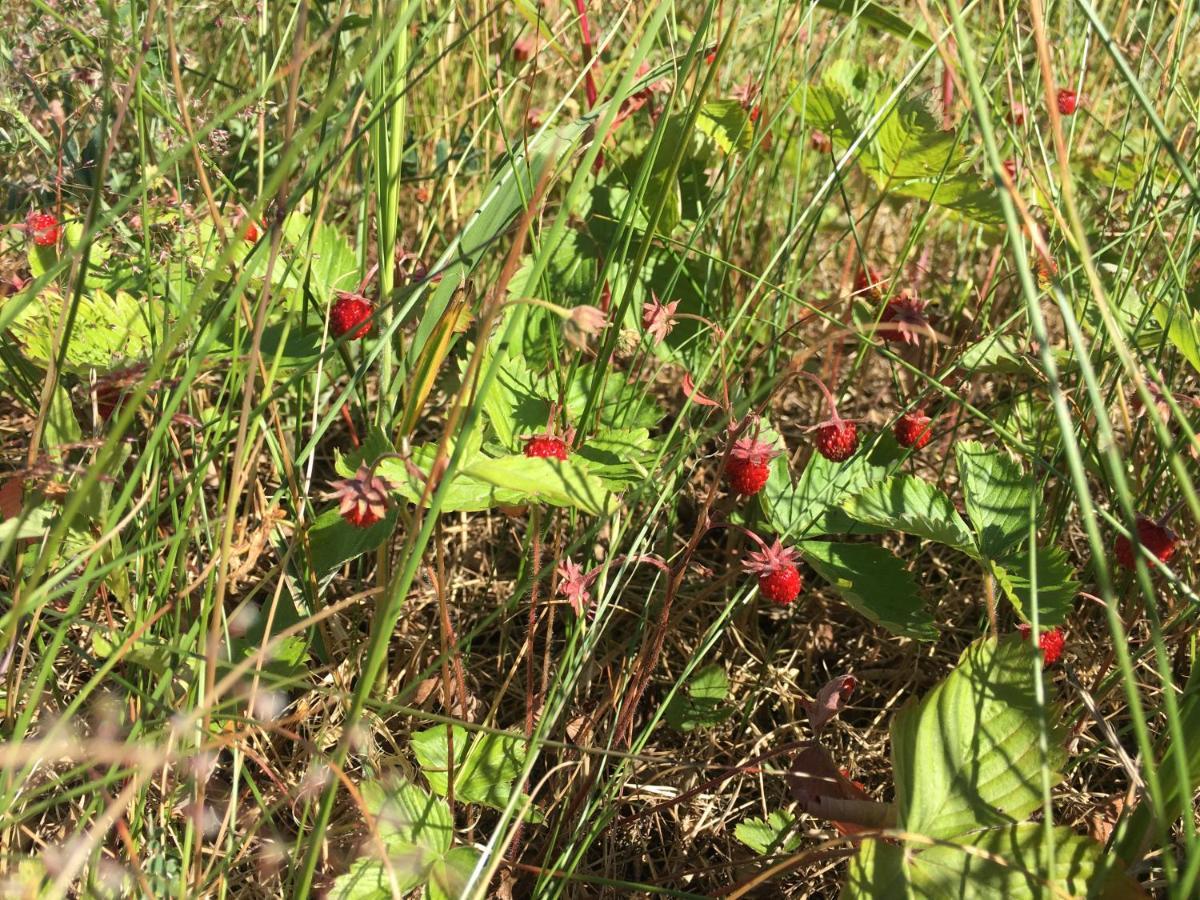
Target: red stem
<point>585,31</point>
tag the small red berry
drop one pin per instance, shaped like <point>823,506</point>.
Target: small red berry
<point>778,578</point>
<point>1068,101</point>
<point>749,466</point>
<point>546,446</point>
<point>869,283</point>
<point>1156,538</point>
<point>913,430</point>
<point>42,229</point>
<point>837,441</point>
<point>1010,166</point>
<point>251,233</point>
<point>1051,641</point>
<point>350,312</point>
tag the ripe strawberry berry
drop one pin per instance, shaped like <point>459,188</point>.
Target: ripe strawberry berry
<point>869,283</point>
<point>837,441</point>
<point>837,438</point>
<point>546,446</point>
<point>1051,641</point>
<point>905,318</point>
<point>363,498</point>
<point>42,229</point>
<point>778,578</point>
<point>251,233</point>
<point>1154,536</point>
<point>351,313</point>
<point>913,430</point>
<point>749,466</point>
<point>1068,102</point>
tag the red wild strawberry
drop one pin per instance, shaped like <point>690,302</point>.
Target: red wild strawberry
<point>749,466</point>
<point>904,318</point>
<point>251,233</point>
<point>363,499</point>
<point>1051,641</point>
<point>546,446</point>
<point>1010,166</point>
<point>1154,536</point>
<point>913,430</point>
<point>837,438</point>
<point>837,441</point>
<point>778,578</point>
<point>870,283</point>
<point>351,314</point>
<point>1068,101</point>
<point>42,229</point>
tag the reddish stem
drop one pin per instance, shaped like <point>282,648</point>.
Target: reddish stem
<point>585,31</point>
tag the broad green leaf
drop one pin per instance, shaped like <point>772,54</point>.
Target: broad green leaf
<point>33,525</point>
<point>335,541</point>
<point>449,876</point>
<point>1012,862</point>
<point>775,834</point>
<point>110,330</point>
<point>997,493</point>
<point>1009,862</point>
<point>999,354</point>
<point>812,505</point>
<point>728,124</point>
<point>909,504</point>
<point>464,493</point>
<point>876,872</point>
<point>702,703</point>
<point>874,583</point>
<point>405,814</point>
<point>966,756</point>
<point>1183,330</point>
<point>878,16</point>
<point>557,482</point>
<point>1056,584</point>
<point>282,344</point>
<point>485,765</point>
<point>620,456</point>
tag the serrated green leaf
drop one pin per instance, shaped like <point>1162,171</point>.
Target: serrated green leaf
<point>1056,584</point>
<point>967,755</point>
<point>999,354</point>
<point>702,703</point>
<point>110,330</point>
<point>728,124</point>
<point>514,405</point>
<point>812,505</point>
<point>464,492</point>
<point>997,494</point>
<point>774,834</point>
<point>876,872</point>
<point>909,504</point>
<point>554,481</point>
<point>874,583</point>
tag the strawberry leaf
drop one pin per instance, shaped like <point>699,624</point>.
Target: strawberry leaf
<point>774,834</point>
<point>998,495</point>
<point>909,504</point>
<point>1056,584</point>
<point>967,755</point>
<point>874,583</point>
<point>702,705</point>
